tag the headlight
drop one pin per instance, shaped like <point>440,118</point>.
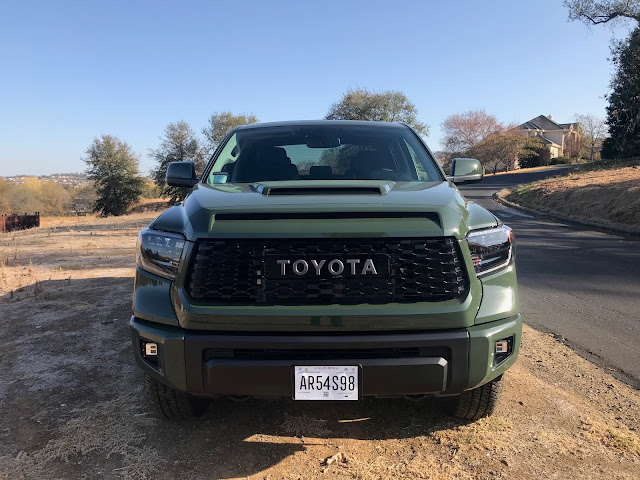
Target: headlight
<point>159,252</point>
<point>491,249</point>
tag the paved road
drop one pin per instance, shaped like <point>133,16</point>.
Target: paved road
<point>580,284</point>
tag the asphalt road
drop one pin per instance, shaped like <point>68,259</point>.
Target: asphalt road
<point>580,284</point>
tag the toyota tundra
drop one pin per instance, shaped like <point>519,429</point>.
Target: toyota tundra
<point>325,261</point>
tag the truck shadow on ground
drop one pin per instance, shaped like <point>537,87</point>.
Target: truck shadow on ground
<point>240,439</point>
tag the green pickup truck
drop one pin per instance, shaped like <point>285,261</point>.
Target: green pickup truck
<point>325,260</point>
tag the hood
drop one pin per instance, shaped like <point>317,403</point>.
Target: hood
<point>325,207</point>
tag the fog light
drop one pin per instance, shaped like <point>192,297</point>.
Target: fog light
<point>150,350</point>
<point>502,346</point>
<point>503,349</point>
<point>149,353</point>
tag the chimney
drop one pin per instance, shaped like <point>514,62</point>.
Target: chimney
<point>550,117</point>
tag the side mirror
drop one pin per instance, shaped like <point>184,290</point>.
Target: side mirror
<point>465,170</point>
<point>181,174</point>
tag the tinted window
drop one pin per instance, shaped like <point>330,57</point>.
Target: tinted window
<point>324,152</point>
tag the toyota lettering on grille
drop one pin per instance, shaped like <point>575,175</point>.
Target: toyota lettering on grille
<point>327,267</point>
<point>335,266</point>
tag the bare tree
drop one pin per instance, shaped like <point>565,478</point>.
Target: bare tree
<point>594,131</point>
<point>463,131</point>
<point>591,12</point>
<point>573,145</point>
<point>504,148</point>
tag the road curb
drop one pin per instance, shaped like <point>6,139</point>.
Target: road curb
<point>572,221</point>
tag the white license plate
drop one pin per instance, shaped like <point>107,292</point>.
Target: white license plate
<point>325,382</point>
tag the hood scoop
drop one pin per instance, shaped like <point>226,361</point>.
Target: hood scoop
<point>311,188</point>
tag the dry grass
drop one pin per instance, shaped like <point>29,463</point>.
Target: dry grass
<point>111,428</point>
<point>610,197</point>
<point>525,170</point>
<point>84,221</point>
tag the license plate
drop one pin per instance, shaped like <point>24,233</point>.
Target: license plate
<point>326,382</point>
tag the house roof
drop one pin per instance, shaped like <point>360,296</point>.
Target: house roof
<point>548,141</point>
<point>542,123</point>
<point>569,125</point>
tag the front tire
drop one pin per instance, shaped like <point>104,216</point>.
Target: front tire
<point>477,403</point>
<point>172,403</point>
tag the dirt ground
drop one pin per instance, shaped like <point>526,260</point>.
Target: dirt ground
<point>71,403</point>
<point>610,197</point>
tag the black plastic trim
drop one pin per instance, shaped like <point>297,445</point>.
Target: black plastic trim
<point>326,215</point>
<point>444,372</point>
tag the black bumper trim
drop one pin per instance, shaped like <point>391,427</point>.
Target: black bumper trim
<point>441,368</point>
<point>380,377</point>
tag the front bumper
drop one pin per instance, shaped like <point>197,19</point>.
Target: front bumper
<point>442,362</point>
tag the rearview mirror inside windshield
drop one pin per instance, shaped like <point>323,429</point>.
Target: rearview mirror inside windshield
<point>322,141</point>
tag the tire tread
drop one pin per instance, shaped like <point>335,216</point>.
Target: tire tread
<point>477,403</point>
<point>172,403</point>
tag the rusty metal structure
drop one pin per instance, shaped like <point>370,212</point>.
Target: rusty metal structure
<point>9,223</point>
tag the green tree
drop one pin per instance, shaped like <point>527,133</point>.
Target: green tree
<point>178,144</point>
<point>220,124</point>
<point>388,106</point>
<point>591,12</point>
<point>535,156</point>
<point>623,111</point>
<point>113,167</point>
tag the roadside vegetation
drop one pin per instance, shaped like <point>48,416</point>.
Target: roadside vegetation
<point>53,199</point>
<point>605,193</point>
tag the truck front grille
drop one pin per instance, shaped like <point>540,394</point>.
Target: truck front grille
<point>233,272</point>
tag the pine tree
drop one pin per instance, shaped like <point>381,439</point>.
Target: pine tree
<point>113,167</point>
<point>623,112</point>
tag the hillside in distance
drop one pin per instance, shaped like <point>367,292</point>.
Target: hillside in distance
<point>73,179</point>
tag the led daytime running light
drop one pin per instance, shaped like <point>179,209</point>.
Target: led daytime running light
<point>160,252</point>
<point>491,249</point>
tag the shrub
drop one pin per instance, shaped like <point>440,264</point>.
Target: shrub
<point>560,161</point>
<point>537,157</point>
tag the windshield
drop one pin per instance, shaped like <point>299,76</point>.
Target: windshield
<point>326,152</point>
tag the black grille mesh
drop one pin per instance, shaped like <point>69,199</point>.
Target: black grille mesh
<point>232,271</point>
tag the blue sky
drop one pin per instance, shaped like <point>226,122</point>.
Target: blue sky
<point>72,71</point>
